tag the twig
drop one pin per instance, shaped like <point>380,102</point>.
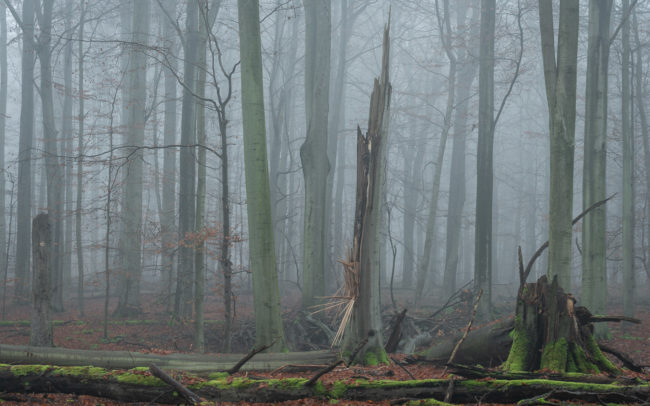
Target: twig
<point>537,400</point>
<point>522,279</point>
<point>541,249</point>
<point>248,356</point>
<point>322,372</point>
<point>298,368</point>
<point>452,297</point>
<point>403,368</point>
<point>600,319</point>
<point>469,326</point>
<point>191,397</point>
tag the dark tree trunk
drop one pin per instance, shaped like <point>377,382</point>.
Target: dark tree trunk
<point>41,325</point>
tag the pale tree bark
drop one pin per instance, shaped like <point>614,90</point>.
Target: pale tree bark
<point>168,213</point>
<point>54,174</point>
<point>67,137</point>
<point>131,241</point>
<point>80,145</point>
<point>4,232</point>
<point>268,318</point>
<point>594,264</point>
<point>645,133</point>
<point>313,152</point>
<point>24,192</point>
<point>187,174</point>
<point>560,80</point>
<point>628,173</point>
<point>365,320</point>
<point>444,26</point>
<point>457,181</point>
<point>484,161</point>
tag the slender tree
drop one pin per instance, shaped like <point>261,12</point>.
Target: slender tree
<point>131,240</point>
<point>268,320</point>
<point>313,152</point>
<point>3,112</point>
<point>594,265</point>
<point>80,145</point>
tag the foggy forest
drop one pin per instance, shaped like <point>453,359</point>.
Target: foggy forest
<point>370,182</point>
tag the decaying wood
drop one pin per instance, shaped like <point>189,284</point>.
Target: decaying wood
<point>247,357</point>
<point>312,381</point>
<point>197,363</point>
<point>488,345</point>
<point>130,387</point>
<point>629,364</point>
<point>187,394</point>
<point>396,334</point>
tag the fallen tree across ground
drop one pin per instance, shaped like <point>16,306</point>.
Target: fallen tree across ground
<point>138,385</point>
<point>19,354</point>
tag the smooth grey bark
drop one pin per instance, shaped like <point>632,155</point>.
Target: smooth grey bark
<point>412,179</point>
<point>67,137</point>
<point>268,318</point>
<point>313,152</point>
<point>457,180</point>
<point>628,174</point>
<point>54,173</point>
<point>131,241</point>
<point>484,161</point>
<point>187,175</point>
<point>80,148</point>
<point>24,192</point>
<point>41,321</point>
<point>4,232</point>
<point>444,27</point>
<point>645,132</point>
<point>594,247</point>
<point>560,80</point>
<point>168,213</point>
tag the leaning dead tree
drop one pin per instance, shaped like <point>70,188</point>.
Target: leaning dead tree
<point>363,318</point>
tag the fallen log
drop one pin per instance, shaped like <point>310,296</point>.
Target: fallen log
<point>139,386</point>
<point>487,345</point>
<point>198,363</point>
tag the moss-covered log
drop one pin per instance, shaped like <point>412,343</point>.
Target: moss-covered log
<point>138,386</point>
<point>18,354</point>
<point>551,333</point>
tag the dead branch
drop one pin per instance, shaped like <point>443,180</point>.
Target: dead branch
<point>629,364</point>
<point>403,367</point>
<point>396,334</point>
<point>247,357</point>
<point>541,249</point>
<point>187,394</point>
<point>322,372</point>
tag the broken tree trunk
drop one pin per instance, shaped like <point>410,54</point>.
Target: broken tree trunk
<point>551,333</point>
<point>362,271</point>
<point>41,323</point>
<point>140,386</point>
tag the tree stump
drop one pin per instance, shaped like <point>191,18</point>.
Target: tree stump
<point>41,323</point>
<point>551,333</point>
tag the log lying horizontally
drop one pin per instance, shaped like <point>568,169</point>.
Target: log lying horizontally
<point>18,354</point>
<point>139,386</point>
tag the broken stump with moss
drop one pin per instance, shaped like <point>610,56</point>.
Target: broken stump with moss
<point>551,333</point>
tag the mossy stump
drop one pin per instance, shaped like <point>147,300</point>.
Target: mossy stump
<point>551,333</point>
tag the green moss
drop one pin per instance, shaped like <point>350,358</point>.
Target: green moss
<point>86,371</point>
<point>338,389</point>
<point>554,356</point>
<point>505,385</point>
<point>23,370</point>
<point>222,383</point>
<point>602,361</point>
<point>218,375</point>
<point>579,360</point>
<point>520,351</point>
<point>287,383</point>
<point>426,402</point>
<point>319,389</point>
<point>137,379</point>
<point>375,356</point>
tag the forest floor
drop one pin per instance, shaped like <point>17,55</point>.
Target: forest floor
<point>153,333</point>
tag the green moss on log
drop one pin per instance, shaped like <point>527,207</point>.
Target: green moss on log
<point>599,357</point>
